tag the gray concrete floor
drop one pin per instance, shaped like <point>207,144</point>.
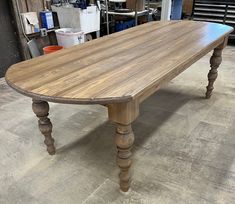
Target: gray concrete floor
<point>184,150</point>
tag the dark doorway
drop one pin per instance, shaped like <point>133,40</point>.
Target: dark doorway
<point>9,51</point>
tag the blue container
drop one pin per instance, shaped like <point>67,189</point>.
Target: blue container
<point>123,25</point>
<point>176,12</point>
<point>47,19</point>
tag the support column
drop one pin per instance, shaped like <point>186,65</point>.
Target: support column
<point>166,10</point>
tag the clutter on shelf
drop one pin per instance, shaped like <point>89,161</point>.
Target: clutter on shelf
<point>30,22</point>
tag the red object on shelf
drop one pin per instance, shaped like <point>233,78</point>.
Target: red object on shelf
<point>52,48</point>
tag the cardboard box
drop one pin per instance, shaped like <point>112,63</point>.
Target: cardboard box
<point>30,22</point>
<point>47,19</point>
<point>188,7</point>
<point>130,4</point>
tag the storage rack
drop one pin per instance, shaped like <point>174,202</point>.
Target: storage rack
<point>217,11</point>
<point>135,14</point>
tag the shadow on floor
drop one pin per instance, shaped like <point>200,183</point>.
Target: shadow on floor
<point>151,118</point>
<point>95,152</point>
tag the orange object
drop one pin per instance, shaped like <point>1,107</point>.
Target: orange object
<point>52,48</point>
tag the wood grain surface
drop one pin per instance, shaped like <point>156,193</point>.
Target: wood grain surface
<point>121,67</point>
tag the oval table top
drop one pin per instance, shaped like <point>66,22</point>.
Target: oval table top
<point>119,67</point>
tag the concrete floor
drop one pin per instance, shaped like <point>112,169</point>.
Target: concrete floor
<point>184,150</point>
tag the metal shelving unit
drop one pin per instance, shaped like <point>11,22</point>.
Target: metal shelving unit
<point>217,11</point>
<point>135,14</point>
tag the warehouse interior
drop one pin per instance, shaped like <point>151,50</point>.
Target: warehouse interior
<point>183,148</point>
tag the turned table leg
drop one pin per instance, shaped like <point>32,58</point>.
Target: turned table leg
<point>215,62</point>
<point>123,114</point>
<point>41,109</point>
<point>124,140</point>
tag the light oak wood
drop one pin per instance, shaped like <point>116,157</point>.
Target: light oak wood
<point>123,113</point>
<point>119,67</point>
<point>119,71</point>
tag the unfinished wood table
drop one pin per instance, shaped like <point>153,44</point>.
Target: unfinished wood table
<point>118,71</point>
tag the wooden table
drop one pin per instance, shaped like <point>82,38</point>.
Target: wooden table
<point>118,71</point>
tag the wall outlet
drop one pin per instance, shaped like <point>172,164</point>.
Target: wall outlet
<point>43,32</point>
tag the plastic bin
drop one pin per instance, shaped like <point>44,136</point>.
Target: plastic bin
<point>87,20</point>
<point>68,37</point>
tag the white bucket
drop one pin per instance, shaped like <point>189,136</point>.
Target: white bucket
<point>68,37</point>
